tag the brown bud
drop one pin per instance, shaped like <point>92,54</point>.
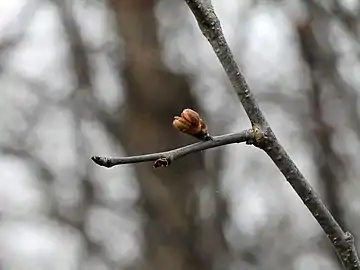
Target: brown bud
<point>189,122</point>
<point>191,116</point>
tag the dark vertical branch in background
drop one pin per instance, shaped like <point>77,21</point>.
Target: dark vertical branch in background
<point>329,165</point>
<point>78,56</point>
<point>20,25</point>
<point>350,23</point>
<point>349,94</point>
<point>322,60</point>
<point>80,64</point>
<point>216,242</point>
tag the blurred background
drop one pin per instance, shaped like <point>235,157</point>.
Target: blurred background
<point>105,77</point>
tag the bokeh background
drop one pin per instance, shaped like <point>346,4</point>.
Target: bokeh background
<point>105,77</point>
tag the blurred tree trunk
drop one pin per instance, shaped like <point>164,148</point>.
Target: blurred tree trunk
<point>329,164</point>
<point>174,235</point>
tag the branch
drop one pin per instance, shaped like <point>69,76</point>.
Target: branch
<point>211,29</point>
<point>342,242</point>
<point>165,158</point>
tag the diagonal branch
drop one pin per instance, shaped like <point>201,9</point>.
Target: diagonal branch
<point>342,242</point>
<point>211,29</point>
<point>165,158</point>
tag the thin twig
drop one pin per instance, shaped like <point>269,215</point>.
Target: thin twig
<point>343,242</point>
<point>165,158</point>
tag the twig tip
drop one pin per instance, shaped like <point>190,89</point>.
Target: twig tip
<point>102,161</point>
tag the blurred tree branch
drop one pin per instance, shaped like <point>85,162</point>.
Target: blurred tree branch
<point>329,164</point>
<point>76,217</point>
<point>350,23</point>
<point>9,40</point>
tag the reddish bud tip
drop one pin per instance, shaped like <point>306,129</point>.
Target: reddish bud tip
<point>190,123</point>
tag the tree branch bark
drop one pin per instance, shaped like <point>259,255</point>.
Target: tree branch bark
<point>342,242</point>
<point>165,158</point>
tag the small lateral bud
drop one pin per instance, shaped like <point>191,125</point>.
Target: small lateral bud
<point>161,162</point>
<point>189,122</point>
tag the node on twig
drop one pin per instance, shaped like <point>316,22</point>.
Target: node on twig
<point>161,162</point>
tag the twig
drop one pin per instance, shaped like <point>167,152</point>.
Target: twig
<point>165,158</point>
<point>343,242</point>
